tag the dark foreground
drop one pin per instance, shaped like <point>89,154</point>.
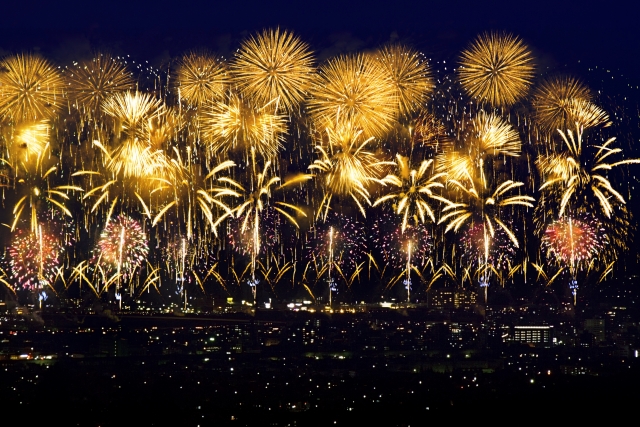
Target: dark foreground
<point>303,371</point>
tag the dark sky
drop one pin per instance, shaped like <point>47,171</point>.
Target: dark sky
<point>559,32</point>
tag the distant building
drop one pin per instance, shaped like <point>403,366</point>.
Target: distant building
<point>535,336</point>
<point>596,328</point>
<point>452,299</point>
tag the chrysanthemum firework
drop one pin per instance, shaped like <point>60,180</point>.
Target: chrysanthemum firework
<point>132,111</point>
<point>274,66</point>
<point>410,76</point>
<point>234,123</point>
<point>496,68</point>
<point>31,88</point>
<point>354,91</point>
<point>35,257</point>
<point>554,100</point>
<point>201,78</point>
<point>91,82</point>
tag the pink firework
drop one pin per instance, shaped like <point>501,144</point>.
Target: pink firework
<point>477,245</point>
<point>35,258</point>
<point>123,246</point>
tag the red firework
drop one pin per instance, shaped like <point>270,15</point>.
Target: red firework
<point>574,240</point>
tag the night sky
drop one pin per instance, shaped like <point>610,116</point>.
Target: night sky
<point>560,32</point>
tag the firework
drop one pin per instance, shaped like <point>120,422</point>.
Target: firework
<point>135,158</point>
<point>122,247</point>
<point>30,140</point>
<point>574,241</point>
<point>396,245</point>
<point>36,257</point>
<point>132,110</point>
<point>346,166</point>
<point>196,196</point>
<point>92,82</point>
<point>337,240</point>
<point>587,115</point>
<point>480,250</point>
<point>413,189</point>
<point>274,66</point>
<point>235,123</point>
<point>354,91</point>
<point>554,100</point>
<point>580,172</point>
<point>255,201</point>
<point>485,204</point>
<point>33,183</point>
<point>201,78</point>
<point>497,68</point>
<point>242,240</point>
<point>30,88</point>
<point>428,131</point>
<point>488,136</point>
<point>410,76</point>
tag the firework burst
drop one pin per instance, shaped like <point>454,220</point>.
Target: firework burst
<point>396,245</point>
<point>235,123</point>
<point>123,246</point>
<point>347,167</point>
<point>574,241</point>
<point>410,76</point>
<point>497,68</point>
<point>578,173</point>
<point>274,66</point>
<point>201,78</point>
<point>354,91</point>
<point>35,257</point>
<point>132,111</point>
<point>481,251</point>
<point>554,102</point>
<point>30,88</point>
<point>92,82</point>
<point>337,240</point>
<point>413,189</point>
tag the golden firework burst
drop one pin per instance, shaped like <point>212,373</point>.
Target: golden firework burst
<point>347,167</point>
<point>201,78</point>
<point>496,68</point>
<point>413,189</point>
<point>581,171</point>
<point>91,82</point>
<point>31,88</point>
<point>276,66</point>
<point>485,203</point>
<point>488,136</point>
<point>29,140</point>
<point>587,114</point>
<point>236,123</point>
<point>555,102</point>
<point>410,76</point>
<point>428,131</point>
<point>354,91</point>
<point>132,111</point>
